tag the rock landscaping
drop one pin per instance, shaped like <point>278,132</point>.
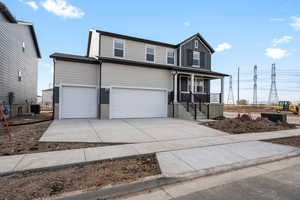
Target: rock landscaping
<point>245,124</point>
<point>89,177</point>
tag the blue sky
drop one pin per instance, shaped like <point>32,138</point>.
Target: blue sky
<point>245,33</point>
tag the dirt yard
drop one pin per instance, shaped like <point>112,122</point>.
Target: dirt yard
<point>293,141</point>
<point>88,177</point>
<point>247,125</point>
<point>25,139</point>
<point>30,118</point>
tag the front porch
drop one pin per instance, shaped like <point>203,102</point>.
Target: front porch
<point>192,91</point>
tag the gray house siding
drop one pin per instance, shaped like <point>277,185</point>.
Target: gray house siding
<point>2,18</point>
<point>189,46</point>
<point>13,60</point>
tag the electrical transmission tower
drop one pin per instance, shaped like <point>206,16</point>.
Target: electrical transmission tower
<point>255,85</point>
<point>230,99</point>
<point>273,95</point>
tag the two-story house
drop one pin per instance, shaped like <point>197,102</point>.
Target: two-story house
<point>128,77</point>
<point>19,54</point>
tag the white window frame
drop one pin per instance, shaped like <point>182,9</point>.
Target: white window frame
<point>167,51</point>
<point>196,44</point>
<point>154,53</point>
<point>202,84</point>
<point>196,59</point>
<point>118,40</point>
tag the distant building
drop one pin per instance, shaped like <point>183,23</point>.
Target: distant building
<point>19,54</point>
<point>47,97</point>
<point>39,99</point>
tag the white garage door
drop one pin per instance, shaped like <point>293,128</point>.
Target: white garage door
<point>138,103</point>
<point>79,102</point>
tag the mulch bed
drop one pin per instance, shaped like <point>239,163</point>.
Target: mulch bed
<point>87,177</point>
<point>25,139</point>
<point>245,124</point>
<point>292,141</point>
<point>30,118</point>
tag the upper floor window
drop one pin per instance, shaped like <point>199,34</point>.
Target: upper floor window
<point>119,48</point>
<point>196,58</point>
<point>23,46</point>
<point>150,53</point>
<point>196,44</point>
<point>202,59</point>
<point>170,57</point>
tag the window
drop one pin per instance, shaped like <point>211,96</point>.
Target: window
<point>196,44</point>
<point>150,52</point>
<point>119,48</point>
<point>23,46</point>
<point>196,58</point>
<point>19,75</point>
<point>199,85</point>
<point>170,57</point>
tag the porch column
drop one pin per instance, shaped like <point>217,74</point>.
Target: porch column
<point>192,85</point>
<point>222,90</point>
<point>175,88</point>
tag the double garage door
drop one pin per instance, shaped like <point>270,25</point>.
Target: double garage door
<point>81,102</point>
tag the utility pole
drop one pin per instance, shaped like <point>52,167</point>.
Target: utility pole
<point>230,99</point>
<point>273,95</point>
<point>255,86</point>
<point>238,87</point>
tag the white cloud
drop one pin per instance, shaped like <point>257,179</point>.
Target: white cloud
<point>276,53</point>
<point>283,40</point>
<point>277,19</point>
<point>32,4</point>
<point>62,8</point>
<point>295,23</point>
<point>223,46</point>
<point>187,23</point>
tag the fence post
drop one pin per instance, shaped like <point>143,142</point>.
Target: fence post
<point>195,108</point>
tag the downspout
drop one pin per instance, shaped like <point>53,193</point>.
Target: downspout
<point>53,88</point>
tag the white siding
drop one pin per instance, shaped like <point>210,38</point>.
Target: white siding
<point>76,73</point>
<point>133,50</point>
<point>134,76</point>
<point>13,59</point>
<point>94,47</point>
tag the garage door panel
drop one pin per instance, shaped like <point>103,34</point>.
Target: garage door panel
<point>138,103</point>
<point>79,102</point>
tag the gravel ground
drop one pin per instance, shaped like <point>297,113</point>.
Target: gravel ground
<point>87,177</point>
<point>25,139</point>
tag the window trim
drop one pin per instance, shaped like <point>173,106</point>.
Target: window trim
<point>198,66</point>
<point>154,53</point>
<point>167,50</point>
<point>116,40</point>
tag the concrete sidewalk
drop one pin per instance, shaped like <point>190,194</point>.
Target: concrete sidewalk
<point>23,162</point>
<point>201,160</point>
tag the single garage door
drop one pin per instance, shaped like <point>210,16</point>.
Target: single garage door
<point>138,103</point>
<point>79,102</point>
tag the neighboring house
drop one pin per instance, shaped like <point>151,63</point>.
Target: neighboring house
<point>128,77</point>
<point>47,97</point>
<point>19,53</point>
<point>39,99</point>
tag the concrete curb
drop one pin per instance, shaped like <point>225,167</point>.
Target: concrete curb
<point>161,180</point>
<point>120,190</point>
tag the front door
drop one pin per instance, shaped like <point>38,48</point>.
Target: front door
<point>184,87</point>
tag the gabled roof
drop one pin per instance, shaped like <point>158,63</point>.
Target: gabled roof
<point>156,42</point>
<point>4,10</point>
<point>201,39</point>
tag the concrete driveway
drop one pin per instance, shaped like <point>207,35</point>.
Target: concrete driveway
<point>125,130</point>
